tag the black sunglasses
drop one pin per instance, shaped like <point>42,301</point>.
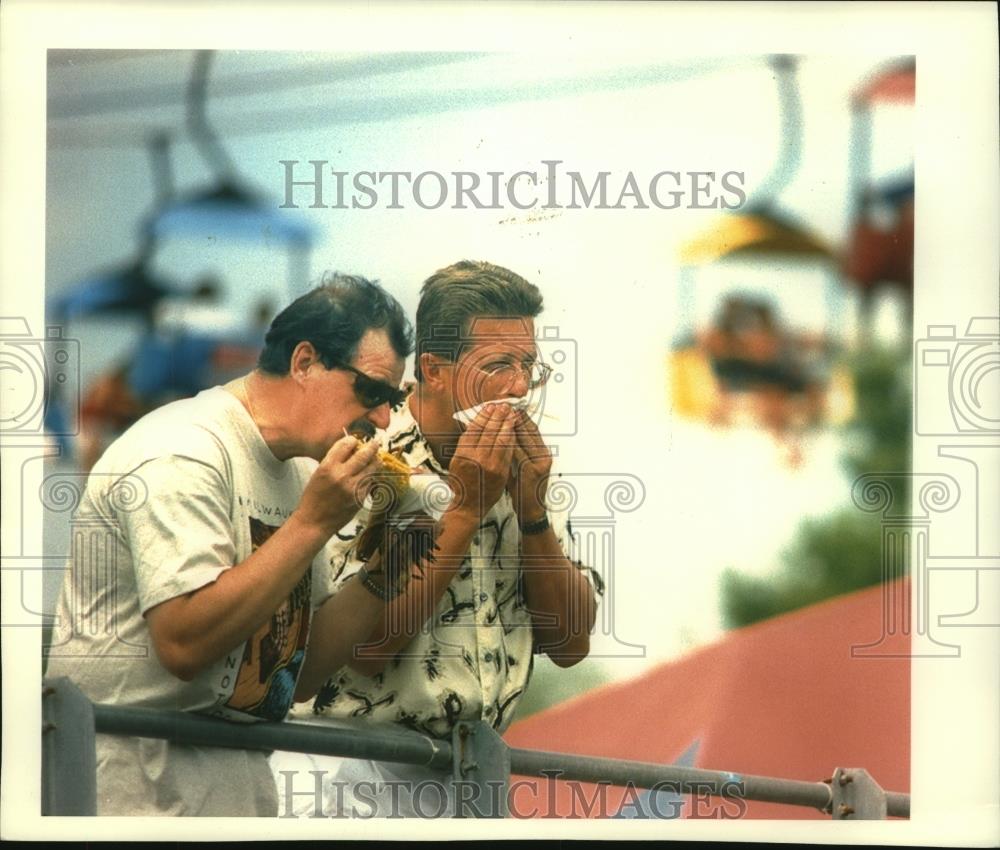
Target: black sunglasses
<point>371,392</point>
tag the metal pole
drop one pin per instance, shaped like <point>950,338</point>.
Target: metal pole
<point>181,728</point>
<point>897,804</point>
<point>683,780</point>
<point>479,759</point>
<point>69,758</point>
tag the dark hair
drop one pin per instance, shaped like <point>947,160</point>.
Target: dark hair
<point>333,317</point>
<point>451,297</point>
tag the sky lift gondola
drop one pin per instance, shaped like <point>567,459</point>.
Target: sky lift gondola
<point>176,357</point>
<point>879,253</point>
<point>748,350</point>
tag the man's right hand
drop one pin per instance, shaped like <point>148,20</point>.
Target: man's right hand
<point>338,486</point>
<point>480,466</point>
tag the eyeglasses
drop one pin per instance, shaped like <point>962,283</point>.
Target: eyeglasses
<point>537,372</point>
<point>371,392</point>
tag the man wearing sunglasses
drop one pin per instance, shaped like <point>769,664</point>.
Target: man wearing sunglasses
<point>458,644</point>
<point>215,596</point>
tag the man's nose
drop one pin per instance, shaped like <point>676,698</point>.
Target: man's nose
<point>519,387</point>
<point>379,416</point>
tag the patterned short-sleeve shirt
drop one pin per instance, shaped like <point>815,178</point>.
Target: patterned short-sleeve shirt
<point>474,657</point>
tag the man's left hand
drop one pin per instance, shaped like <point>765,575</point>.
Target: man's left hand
<point>529,471</point>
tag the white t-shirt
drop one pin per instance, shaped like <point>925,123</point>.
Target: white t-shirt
<point>186,493</point>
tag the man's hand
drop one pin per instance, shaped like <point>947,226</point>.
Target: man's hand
<point>480,466</point>
<point>339,485</point>
<point>561,602</point>
<point>529,471</point>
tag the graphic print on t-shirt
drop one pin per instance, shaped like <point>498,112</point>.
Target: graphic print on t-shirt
<point>271,659</point>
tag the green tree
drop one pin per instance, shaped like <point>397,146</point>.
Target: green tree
<point>551,685</point>
<point>840,552</point>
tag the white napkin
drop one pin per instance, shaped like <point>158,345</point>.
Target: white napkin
<point>531,407</point>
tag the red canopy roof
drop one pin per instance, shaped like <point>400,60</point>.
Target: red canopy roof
<point>781,698</point>
<point>896,85</point>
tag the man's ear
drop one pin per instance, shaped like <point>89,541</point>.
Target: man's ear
<point>303,357</point>
<point>433,371</point>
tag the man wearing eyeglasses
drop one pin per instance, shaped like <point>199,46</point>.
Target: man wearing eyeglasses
<point>458,643</point>
<point>206,590</point>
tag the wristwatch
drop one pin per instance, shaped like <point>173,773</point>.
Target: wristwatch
<point>536,527</point>
<point>386,594</point>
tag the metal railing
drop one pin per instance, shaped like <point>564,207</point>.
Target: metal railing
<point>480,762</point>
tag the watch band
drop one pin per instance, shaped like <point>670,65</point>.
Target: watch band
<point>386,594</point>
<point>536,527</point>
